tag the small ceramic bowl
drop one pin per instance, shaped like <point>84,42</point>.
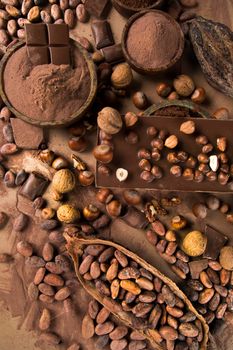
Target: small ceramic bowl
<point>128,11</point>
<point>66,121</point>
<point>155,70</point>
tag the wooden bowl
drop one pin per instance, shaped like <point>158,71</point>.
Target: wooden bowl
<point>66,121</point>
<point>128,11</point>
<point>152,71</point>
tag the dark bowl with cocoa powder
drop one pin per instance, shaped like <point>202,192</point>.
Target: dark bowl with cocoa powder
<point>47,95</point>
<point>152,42</point>
<point>129,7</point>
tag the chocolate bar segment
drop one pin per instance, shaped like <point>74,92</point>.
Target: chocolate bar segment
<point>58,34</point>
<point>34,186</point>
<point>36,34</point>
<point>38,55</point>
<point>97,8</point>
<point>60,55</point>
<point>102,34</point>
<point>113,53</point>
<point>215,242</point>
<point>31,137</point>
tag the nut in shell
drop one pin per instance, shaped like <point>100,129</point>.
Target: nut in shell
<point>122,76</point>
<point>68,214</point>
<point>194,243</point>
<point>121,174</point>
<point>109,120</point>
<point>63,181</point>
<point>184,85</point>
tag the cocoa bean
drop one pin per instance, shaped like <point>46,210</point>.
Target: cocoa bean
<point>158,227</point>
<point>129,297</point>
<point>85,264</point>
<point>174,311</point>
<point>118,344</point>
<point>178,272</point>
<point>49,225</point>
<point>188,317</point>
<point>147,297</point>
<point>172,321</point>
<point>146,274</point>
<point>74,346</point>
<point>214,302</point>
<point>188,330</point>
<point>22,21</point>
<point>101,342</point>
<point>135,335</point>
<point>64,4</point>
<point>152,237</point>
<point>169,296</point>
<point>103,315</point>
<point>128,273</point>
<point>205,280</point>
<point>182,256</point>
<point>209,317</point>
<point>104,328</point>
<point>54,268</point>
<point>81,13</point>
<point>55,12</point>
<point>206,295</point>
<point>4,15</point>
<point>161,246</point>
<point>115,288</point>
<point>93,309</point>
<point>106,255</point>
<point>69,18</point>
<point>118,333</point>
<point>94,249</point>
<point>112,271</point>
<point>95,270</point>
<point>48,252</point>
<point>200,329</point>
<point>144,283</point>
<point>26,6</point>
<point>225,277</point>
<point>158,284</point>
<point>39,276</point>
<point>46,289</point>
<point>45,17</point>
<point>221,290</point>
<point>169,259</point>
<point>130,286</point>
<point>35,261</point>
<point>102,288</point>
<point>33,292</point>
<point>4,40</point>
<point>50,338</point>
<point>171,248</point>
<point>214,265</point>
<point>13,11</point>
<point>196,285</point>
<point>64,262</point>
<point>103,220</point>
<point>155,315</point>
<point>45,320</point>
<point>141,309</point>
<point>87,277</point>
<point>46,299</point>
<point>9,179</point>
<point>137,345</point>
<point>24,248</point>
<point>54,280</point>
<point>221,311</point>
<point>112,305</point>
<point>229,300</point>
<point>62,294</point>
<point>121,258</point>
<point>7,129</point>
<point>20,177</point>
<point>74,3</point>
<point>21,33</point>
<point>33,14</point>
<point>184,267</point>
<point>168,333</point>
<point>88,327</point>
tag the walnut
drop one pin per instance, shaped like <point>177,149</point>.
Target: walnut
<point>184,85</point>
<point>194,243</point>
<point>68,214</point>
<point>122,76</point>
<point>63,181</point>
<point>109,120</point>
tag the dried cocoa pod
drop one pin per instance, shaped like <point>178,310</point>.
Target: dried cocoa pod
<point>213,45</point>
<point>100,290</point>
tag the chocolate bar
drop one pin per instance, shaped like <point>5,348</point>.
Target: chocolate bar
<point>113,53</point>
<point>203,168</point>
<point>98,8</point>
<point>32,136</point>
<point>34,186</point>
<point>215,242</point>
<point>102,34</point>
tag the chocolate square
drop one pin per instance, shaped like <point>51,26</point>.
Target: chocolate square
<point>38,55</point>
<point>97,8</point>
<point>196,267</point>
<point>58,34</point>
<point>102,33</point>
<point>36,34</point>
<point>60,55</point>
<point>34,186</point>
<point>215,242</point>
<point>113,53</point>
<point>32,136</point>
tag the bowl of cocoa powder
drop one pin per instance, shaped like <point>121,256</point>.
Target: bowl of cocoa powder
<point>152,42</point>
<point>128,7</point>
<point>48,94</point>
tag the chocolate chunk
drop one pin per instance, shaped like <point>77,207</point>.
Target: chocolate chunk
<point>98,8</point>
<point>58,34</point>
<point>215,242</point>
<point>36,34</point>
<point>38,55</point>
<point>135,218</point>
<point>34,186</point>
<point>31,137</point>
<point>102,34</point>
<point>196,267</point>
<point>60,55</point>
<point>113,53</point>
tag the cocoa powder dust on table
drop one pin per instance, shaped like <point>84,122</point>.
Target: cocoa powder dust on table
<point>46,92</point>
<point>153,41</point>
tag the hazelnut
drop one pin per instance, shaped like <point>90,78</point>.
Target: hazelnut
<point>176,170</point>
<point>163,89</point>
<point>157,143</point>
<point>213,203</point>
<point>222,144</point>
<point>104,136</point>
<point>86,178</point>
<point>47,213</point>
<point>78,144</point>
<point>225,208</point>
<point>151,131</point>
<point>221,113</point>
<point>130,119</point>
<point>104,170</point>
<point>230,218</point>
<point>184,85</point>
<point>201,140</point>
<point>68,214</point>
<point>170,236</point>
<point>207,148</point>
<point>140,100</point>
<point>223,178</point>
<point>211,176</point>
<point>77,130</point>
<point>104,195</point>
<point>121,174</point>
<point>97,57</point>
<point>157,172</point>
<point>155,154</point>
<point>199,95</point>
<point>226,258</point>
<point>114,208</point>
<point>60,163</point>
<point>188,127</point>
<point>144,164</point>
<point>103,153</point>
<point>63,181</point>
<point>104,72</point>
<point>188,174</point>
<point>194,243</point>
<point>213,163</point>
<point>56,196</point>
<point>47,156</point>
<point>198,176</point>
<point>178,222</point>
<point>147,176</point>
<point>109,120</point>
<point>204,168</point>
<point>200,210</point>
<point>172,158</point>
<point>132,197</point>
<point>191,162</point>
<point>182,156</point>
<point>91,212</point>
<point>143,153</point>
<point>223,158</point>
<point>173,96</point>
<point>171,142</point>
<point>225,168</point>
<point>131,138</point>
<point>122,76</point>
<point>162,134</point>
<point>78,163</point>
<point>203,158</point>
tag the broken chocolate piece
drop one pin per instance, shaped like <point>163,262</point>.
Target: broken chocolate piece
<point>102,34</point>
<point>31,137</point>
<point>58,34</point>
<point>113,53</point>
<point>60,55</point>
<point>34,186</point>
<point>98,8</point>
<point>36,34</point>
<point>38,55</point>
<point>196,267</point>
<point>135,218</point>
<point>215,242</point>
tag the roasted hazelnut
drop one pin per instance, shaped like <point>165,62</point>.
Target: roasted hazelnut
<point>140,100</point>
<point>199,95</point>
<point>86,178</point>
<point>184,85</point>
<point>203,158</point>
<point>104,72</point>
<point>103,153</point>
<point>204,168</point>
<point>221,113</point>
<point>151,131</point>
<point>211,176</point>
<point>77,130</point>
<point>191,162</point>
<point>198,176</point>
<point>130,119</point>
<point>104,136</point>
<point>201,140</point>
<point>104,195</point>
<point>178,222</point>
<point>143,153</point>
<point>222,144</point>
<point>173,96</point>
<point>47,213</point>
<point>171,142</point>
<point>157,172</point>
<point>225,208</point>
<point>91,212</point>
<point>144,164</point>
<point>163,89</point>
<point>200,210</point>
<point>106,142</point>
<point>131,137</point>
<point>104,170</point>
<point>109,97</point>
<point>78,144</point>
<point>188,174</point>
<point>47,156</point>
<point>155,154</point>
<point>176,170</point>
<point>132,197</point>
<point>172,158</point>
<point>207,148</point>
<point>182,156</point>
<point>213,203</point>
<point>162,134</point>
<point>60,163</point>
<point>157,143</point>
<point>188,127</point>
<point>147,176</point>
<point>230,218</point>
<point>97,56</point>
<point>223,178</point>
<point>223,158</point>
<point>114,208</point>
<point>225,168</point>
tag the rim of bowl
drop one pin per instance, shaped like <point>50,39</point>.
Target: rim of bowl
<point>158,3</point>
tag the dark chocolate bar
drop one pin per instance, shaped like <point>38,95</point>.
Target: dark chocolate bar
<point>97,8</point>
<point>60,55</point>
<point>36,34</point>
<point>113,53</point>
<point>34,186</point>
<point>215,242</point>
<point>102,34</point>
<point>38,55</point>
<point>58,34</point>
